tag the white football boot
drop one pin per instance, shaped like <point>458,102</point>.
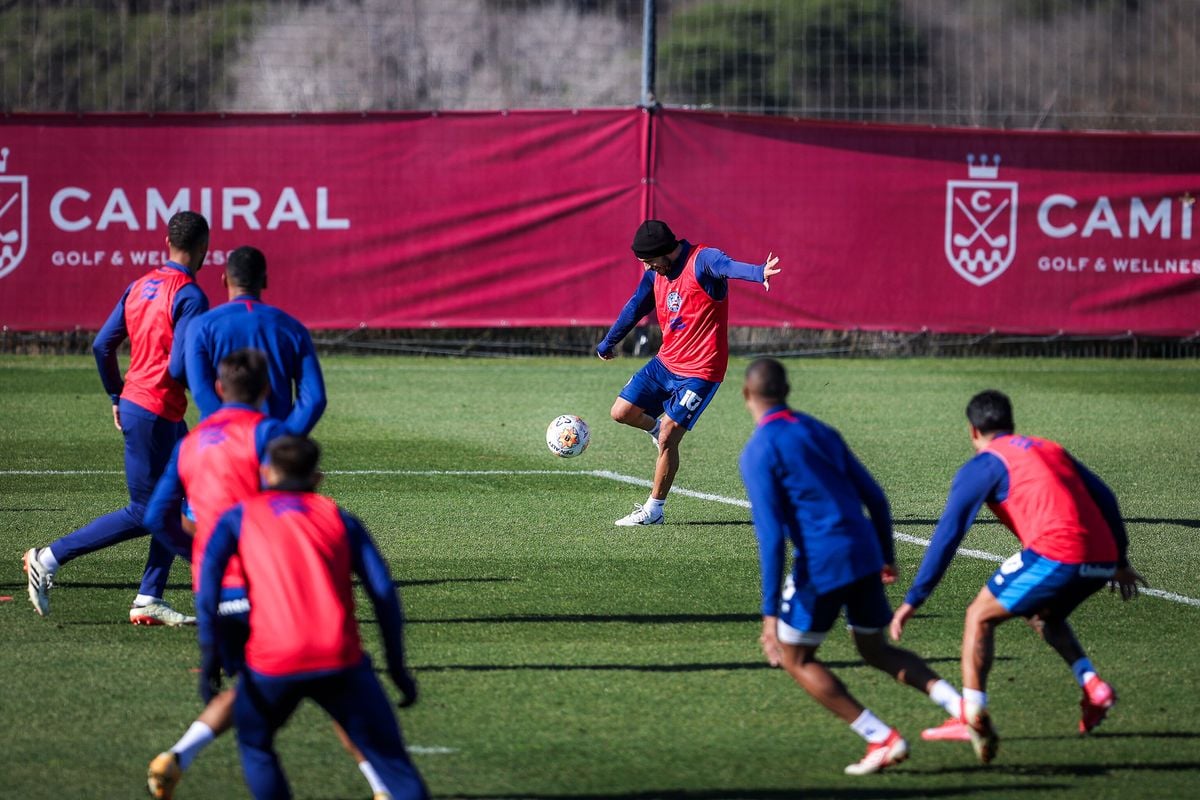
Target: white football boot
<point>640,516</point>
<point>40,582</point>
<point>879,756</point>
<point>159,613</point>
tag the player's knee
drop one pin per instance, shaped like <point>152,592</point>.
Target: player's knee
<point>623,412</point>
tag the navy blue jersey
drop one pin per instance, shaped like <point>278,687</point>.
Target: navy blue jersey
<point>807,487</point>
<point>297,387</point>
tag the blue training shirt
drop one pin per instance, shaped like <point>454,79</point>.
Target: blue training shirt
<point>297,386</point>
<point>190,302</point>
<point>713,269</point>
<point>981,480</point>
<point>806,486</point>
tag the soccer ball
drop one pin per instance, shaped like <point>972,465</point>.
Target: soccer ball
<point>567,436</point>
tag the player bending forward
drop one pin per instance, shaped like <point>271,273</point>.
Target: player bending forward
<point>807,487</point>
<point>299,553</point>
<point>1073,541</point>
<point>217,465</point>
<point>689,285</point>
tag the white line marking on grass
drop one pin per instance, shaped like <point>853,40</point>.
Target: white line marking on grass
<point>982,555</point>
<point>431,751</point>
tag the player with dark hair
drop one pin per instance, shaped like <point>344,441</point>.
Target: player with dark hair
<point>688,285</point>
<point>217,466</point>
<point>299,552</point>
<point>297,395</point>
<point>806,486</point>
<point>148,407</point>
<point>1073,542</point>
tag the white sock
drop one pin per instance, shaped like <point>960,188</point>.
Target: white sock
<point>870,727</point>
<point>654,505</point>
<point>377,784</point>
<point>145,600</point>
<point>657,427</point>
<point>46,558</point>
<point>198,737</point>
<point>947,697</point>
<point>974,699</point>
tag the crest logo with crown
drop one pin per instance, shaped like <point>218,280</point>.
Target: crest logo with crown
<point>14,216</point>
<point>981,222</point>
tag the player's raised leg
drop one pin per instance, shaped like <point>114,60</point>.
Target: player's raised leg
<point>910,669</point>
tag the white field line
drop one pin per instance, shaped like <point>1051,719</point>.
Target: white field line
<point>982,555</point>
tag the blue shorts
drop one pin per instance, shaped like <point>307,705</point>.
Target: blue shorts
<point>805,617</point>
<point>1028,584</point>
<point>656,389</point>
<point>233,629</point>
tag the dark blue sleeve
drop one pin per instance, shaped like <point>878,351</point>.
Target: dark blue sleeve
<point>874,498</point>
<point>976,480</point>
<point>201,371</point>
<point>190,302</point>
<point>712,263</point>
<point>104,348</point>
<point>267,431</point>
<point>164,508</point>
<point>638,306</point>
<point>767,511</point>
<point>1107,501</point>
<point>310,389</point>
<point>370,567</point>
<point>221,547</point>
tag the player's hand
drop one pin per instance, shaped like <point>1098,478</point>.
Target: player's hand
<point>605,355</point>
<point>210,673</point>
<point>407,685</point>
<point>770,641</point>
<point>1126,579</point>
<point>117,417</point>
<point>888,574</point>
<point>770,269</point>
<point>899,619</point>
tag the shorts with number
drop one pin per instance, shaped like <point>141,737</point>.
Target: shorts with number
<point>1028,584</point>
<point>805,616</point>
<point>656,389</point>
<point>233,629</point>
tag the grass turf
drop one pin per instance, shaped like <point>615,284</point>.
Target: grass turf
<point>560,657</point>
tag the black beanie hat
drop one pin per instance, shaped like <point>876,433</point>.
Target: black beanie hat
<point>653,239</point>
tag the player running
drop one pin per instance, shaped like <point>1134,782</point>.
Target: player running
<point>217,466</point>
<point>807,487</point>
<point>1073,541</point>
<point>297,396</point>
<point>148,407</point>
<point>299,552</point>
<point>688,285</point>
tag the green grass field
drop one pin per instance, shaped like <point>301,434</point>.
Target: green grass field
<point>560,657</point>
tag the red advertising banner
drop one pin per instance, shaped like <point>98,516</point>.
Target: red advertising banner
<point>399,220</point>
<point>906,228</point>
<point>524,218</point>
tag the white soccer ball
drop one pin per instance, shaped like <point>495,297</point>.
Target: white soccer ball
<point>567,436</point>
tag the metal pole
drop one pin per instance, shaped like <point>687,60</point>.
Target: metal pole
<point>649,44</point>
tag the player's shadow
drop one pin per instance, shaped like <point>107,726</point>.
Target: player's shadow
<point>439,581</point>
<point>809,793</point>
<point>1112,735</point>
<point>713,522</point>
<point>636,619</point>
<point>713,666</point>
<point>1027,770</point>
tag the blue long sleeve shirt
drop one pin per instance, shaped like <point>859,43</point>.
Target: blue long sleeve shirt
<point>713,269</point>
<point>981,480</point>
<point>807,487</point>
<point>297,385</point>
<point>190,302</point>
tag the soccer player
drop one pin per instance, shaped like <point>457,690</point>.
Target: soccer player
<point>217,466</point>
<point>688,285</point>
<point>807,487</point>
<point>1073,541</point>
<point>299,552</point>
<point>148,407</point>
<point>297,387</point>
